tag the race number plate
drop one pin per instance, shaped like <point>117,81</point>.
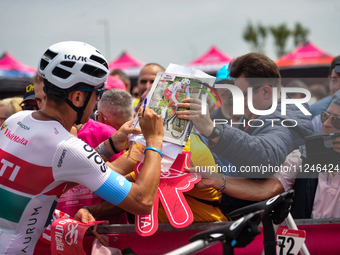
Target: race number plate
<point>289,241</point>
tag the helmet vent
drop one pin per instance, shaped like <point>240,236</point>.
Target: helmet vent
<point>61,73</point>
<point>43,64</point>
<point>69,64</point>
<point>50,54</point>
<point>99,60</point>
<point>93,71</point>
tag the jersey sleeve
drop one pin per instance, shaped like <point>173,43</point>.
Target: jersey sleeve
<point>76,161</point>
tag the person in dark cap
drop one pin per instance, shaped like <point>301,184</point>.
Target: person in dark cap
<point>29,102</point>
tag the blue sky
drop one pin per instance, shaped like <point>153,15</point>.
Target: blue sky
<point>159,31</point>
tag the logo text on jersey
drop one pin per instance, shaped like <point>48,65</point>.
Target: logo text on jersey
<point>30,231</point>
<point>60,162</point>
<point>15,138</point>
<point>96,158</point>
<point>23,126</point>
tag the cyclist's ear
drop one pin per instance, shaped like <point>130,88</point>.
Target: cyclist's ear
<point>77,98</point>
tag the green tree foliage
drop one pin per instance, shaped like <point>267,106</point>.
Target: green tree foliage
<point>255,36</point>
<point>299,33</point>
<point>281,34</point>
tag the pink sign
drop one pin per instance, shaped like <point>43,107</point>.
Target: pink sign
<point>67,236</point>
<point>170,192</point>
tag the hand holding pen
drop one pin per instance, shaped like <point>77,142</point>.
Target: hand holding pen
<point>145,101</point>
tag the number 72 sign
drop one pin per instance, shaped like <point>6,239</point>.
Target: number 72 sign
<point>289,241</point>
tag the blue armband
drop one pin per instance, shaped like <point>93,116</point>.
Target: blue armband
<point>115,189</point>
<point>153,149</point>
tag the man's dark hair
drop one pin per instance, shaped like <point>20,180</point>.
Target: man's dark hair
<point>58,95</point>
<point>37,78</point>
<point>335,59</point>
<point>255,65</point>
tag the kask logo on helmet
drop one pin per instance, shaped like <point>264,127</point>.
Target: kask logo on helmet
<point>76,58</point>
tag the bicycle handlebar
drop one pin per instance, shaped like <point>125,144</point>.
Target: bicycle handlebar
<point>278,206</point>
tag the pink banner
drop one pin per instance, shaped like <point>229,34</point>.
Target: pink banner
<point>67,236</point>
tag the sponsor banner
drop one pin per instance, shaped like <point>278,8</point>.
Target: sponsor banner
<point>67,236</point>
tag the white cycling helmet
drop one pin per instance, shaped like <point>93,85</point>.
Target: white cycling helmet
<point>185,82</point>
<point>65,64</point>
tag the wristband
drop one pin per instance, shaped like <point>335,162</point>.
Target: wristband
<point>102,150</point>
<point>113,146</point>
<point>87,208</point>
<point>224,183</point>
<point>153,149</point>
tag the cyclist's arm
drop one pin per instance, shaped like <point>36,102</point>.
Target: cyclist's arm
<point>122,165</point>
<point>76,161</point>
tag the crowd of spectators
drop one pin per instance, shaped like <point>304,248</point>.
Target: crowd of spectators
<point>242,144</point>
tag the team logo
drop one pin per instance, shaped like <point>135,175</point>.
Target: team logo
<point>121,180</point>
<point>3,126</point>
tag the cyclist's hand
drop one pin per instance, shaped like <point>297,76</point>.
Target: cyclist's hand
<point>202,122</point>
<point>84,216</point>
<point>152,127</point>
<point>120,138</point>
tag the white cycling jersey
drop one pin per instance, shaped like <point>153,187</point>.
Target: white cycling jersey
<point>37,159</point>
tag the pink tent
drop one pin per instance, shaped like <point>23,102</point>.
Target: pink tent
<point>211,61</point>
<point>127,64</point>
<point>305,54</point>
<point>10,67</point>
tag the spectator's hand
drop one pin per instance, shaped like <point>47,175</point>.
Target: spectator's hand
<point>336,144</point>
<point>209,179</point>
<point>152,127</point>
<point>84,216</point>
<point>120,138</point>
<point>202,123</point>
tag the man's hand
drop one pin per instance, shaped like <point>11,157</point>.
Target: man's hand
<point>209,179</point>
<point>84,216</point>
<point>336,144</point>
<point>120,138</point>
<point>202,123</point>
